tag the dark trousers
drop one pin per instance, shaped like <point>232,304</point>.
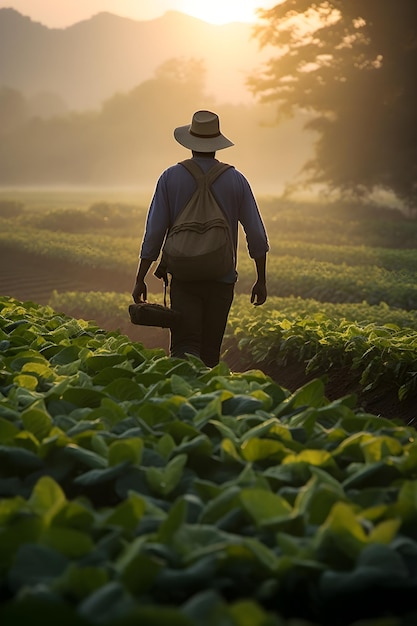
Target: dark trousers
<point>204,306</point>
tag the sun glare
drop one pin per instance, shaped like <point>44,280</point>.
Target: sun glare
<point>224,11</point>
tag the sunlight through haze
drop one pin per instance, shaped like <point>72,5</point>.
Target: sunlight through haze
<point>222,12</point>
<point>61,14</point>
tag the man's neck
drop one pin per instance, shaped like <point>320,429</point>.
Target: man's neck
<point>204,155</point>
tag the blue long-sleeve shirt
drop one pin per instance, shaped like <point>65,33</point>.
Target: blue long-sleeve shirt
<point>232,191</point>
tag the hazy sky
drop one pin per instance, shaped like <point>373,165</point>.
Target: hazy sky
<point>62,13</point>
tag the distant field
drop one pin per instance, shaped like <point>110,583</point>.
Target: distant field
<point>79,239</point>
<point>46,198</point>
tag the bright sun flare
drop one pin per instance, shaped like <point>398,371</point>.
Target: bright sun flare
<point>224,11</point>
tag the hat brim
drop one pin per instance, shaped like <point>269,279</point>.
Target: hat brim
<point>200,144</point>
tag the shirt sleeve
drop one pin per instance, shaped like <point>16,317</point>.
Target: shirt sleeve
<point>251,220</point>
<point>157,221</point>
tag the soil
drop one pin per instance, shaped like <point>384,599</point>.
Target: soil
<point>29,277</point>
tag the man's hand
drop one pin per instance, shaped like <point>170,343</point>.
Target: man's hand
<point>140,291</point>
<point>259,293</point>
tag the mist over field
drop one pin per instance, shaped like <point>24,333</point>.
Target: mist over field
<point>96,104</point>
<point>320,96</point>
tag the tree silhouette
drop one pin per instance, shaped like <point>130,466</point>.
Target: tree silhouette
<point>353,67</point>
<point>13,109</point>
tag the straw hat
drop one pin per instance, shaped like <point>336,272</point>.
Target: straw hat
<point>203,134</point>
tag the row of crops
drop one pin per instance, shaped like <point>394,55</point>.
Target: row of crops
<point>140,489</point>
<point>325,272</point>
<point>383,352</point>
<point>120,249</point>
<point>333,300</point>
<point>377,342</point>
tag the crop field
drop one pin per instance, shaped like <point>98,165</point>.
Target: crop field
<point>330,267</point>
<point>276,489</point>
<point>140,489</point>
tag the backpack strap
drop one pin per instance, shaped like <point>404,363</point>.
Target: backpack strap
<point>213,173</point>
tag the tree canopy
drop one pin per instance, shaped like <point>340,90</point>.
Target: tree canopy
<point>353,67</point>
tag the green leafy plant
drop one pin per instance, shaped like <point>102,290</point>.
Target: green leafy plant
<point>137,488</point>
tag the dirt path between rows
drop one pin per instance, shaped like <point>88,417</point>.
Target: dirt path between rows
<point>29,277</point>
<point>32,277</point>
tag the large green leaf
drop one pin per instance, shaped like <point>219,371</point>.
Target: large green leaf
<point>17,461</point>
<point>83,457</point>
<point>173,521</point>
<point>377,474</point>
<point>316,499</point>
<point>163,480</point>
<point>76,515</point>
<point>47,499</point>
<point>36,565</point>
<point>109,413</point>
<point>129,449</point>
<point>140,572</point>
<point>256,449</point>
<point>68,541</point>
<point>79,582</point>
<point>319,458</point>
<point>406,505</point>
<point>124,389</point>
<point>37,421</point>
<point>99,362</point>
<point>84,397</point>
<point>267,425</point>
<point>7,430</point>
<point>220,505</point>
<point>68,354</point>
<point>342,537</point>
<point>264,506</point>
<point>96,477</point>
<point>241,405</point>
<point>184,433</point>
<point>27,356</point>
<point>380,447</point>
<point>311,394</point>
<point>165,445</point>
<point>110,602</point>
<point>192,541</point>
<point>26,381</point>
<point>208,407</point>
<point>180,386</point>
<point>128,513</point>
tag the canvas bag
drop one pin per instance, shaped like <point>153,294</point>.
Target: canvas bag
<point>152,314</point>
<point>199,244</point>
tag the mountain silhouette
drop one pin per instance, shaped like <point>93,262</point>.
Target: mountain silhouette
<point>89,61</point>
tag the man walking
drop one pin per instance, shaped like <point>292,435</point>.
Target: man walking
<point>204,305</point>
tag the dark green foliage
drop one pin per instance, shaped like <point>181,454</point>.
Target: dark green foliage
<point>205,498</point>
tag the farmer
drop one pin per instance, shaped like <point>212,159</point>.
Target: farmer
<point>204,304</point>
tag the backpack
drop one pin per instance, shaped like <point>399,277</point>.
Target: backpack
<point>199,246</point>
